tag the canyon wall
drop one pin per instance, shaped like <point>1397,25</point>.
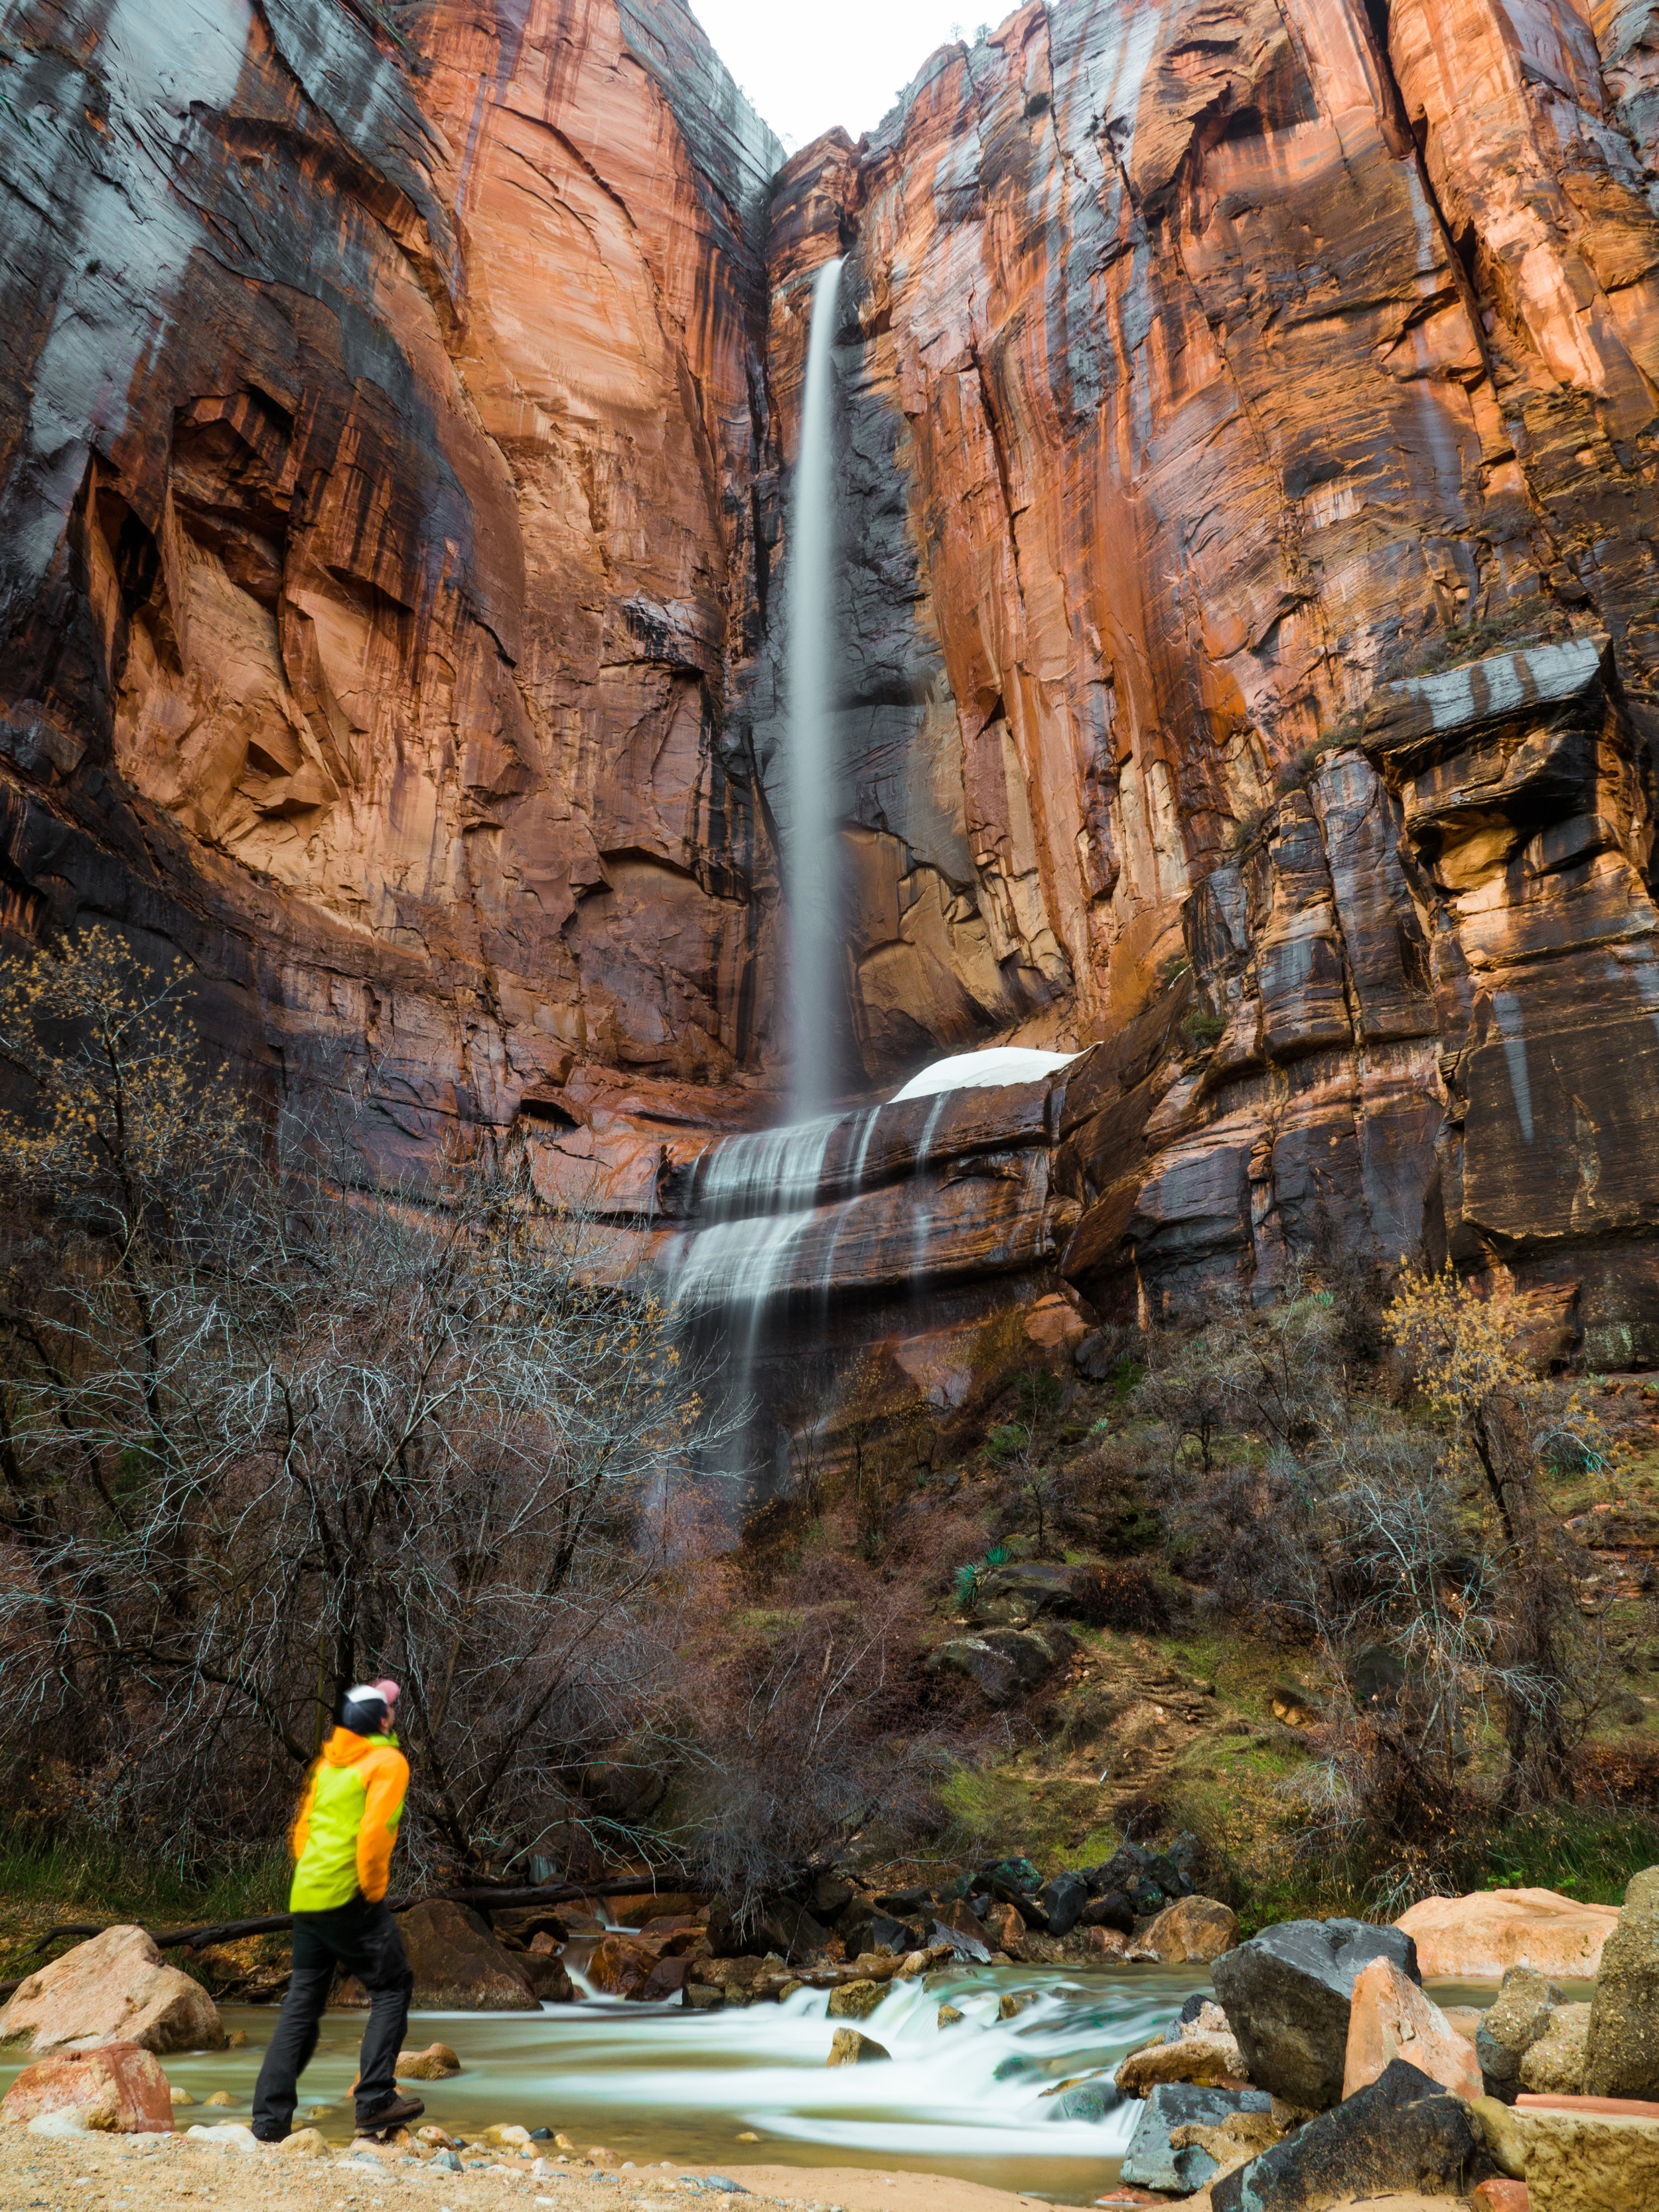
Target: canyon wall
<point>385,494</point>
<point>1249,442</point>
<point>1247,472</point>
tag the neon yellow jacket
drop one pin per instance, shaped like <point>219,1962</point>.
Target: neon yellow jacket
<point>347,1822</point>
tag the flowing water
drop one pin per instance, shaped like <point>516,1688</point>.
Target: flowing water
<point>658,2082</point>
<point>810,847</point>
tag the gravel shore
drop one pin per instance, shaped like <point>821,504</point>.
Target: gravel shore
<point>118,2173</point>
<point>157,2173</point>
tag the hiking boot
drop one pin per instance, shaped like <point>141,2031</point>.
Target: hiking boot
<point>397,2114</point>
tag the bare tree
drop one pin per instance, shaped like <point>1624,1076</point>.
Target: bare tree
<point>267,1425</point>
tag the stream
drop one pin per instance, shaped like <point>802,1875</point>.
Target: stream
<point>656,2083</point>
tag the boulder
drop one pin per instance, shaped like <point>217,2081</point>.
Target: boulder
<point>1149,1878</point>
<point>1288,1993</point>
<point>435,2064</point>
<point>1390,2018</point>
<point>1023,1590</point>
<point>1004,1662</point>
<point>666,1981</point>
<point>1510,2026</point>
<point>849,2048</point>
<point>1496,2193</point>
<point>1152,2161</point>
<point>783,1926</point>
<point>113,1989</point>
<point>117,2089</point>
<point>1402,2132</point>
<point>1192,1932</point>
<point>1621,2058</point>
<point>1554,2064</point>
<point>959,1927</point>
<point>304,2143</point>
<point>628,1790</point>
<point>1479,1937</point>
<point>855,2000</point>
<point>1240,2137</point>
<point>1064,1901</point>
<point>1084,2100</point>
<point>1213,2062</point>
<point>1111,1910</point>
<point>549,1981</point>
<point>458,1964</point>
<point>622,1966</point>
<point>779,1924</point>
<point>1097,1945</point>
<point>1005,1930</point>
<point>1582,2162</point>
<point>831,1894</point>
<point>1500,2129</point>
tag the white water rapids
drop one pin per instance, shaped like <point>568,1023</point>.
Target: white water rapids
<point>658,2081</point>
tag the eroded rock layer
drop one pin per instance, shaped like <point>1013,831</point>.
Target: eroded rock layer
<point>1246,437</point>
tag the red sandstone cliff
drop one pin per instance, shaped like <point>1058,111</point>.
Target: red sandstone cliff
<point>385,489</point>
<point>393,408</point>
<point>1236,367</point>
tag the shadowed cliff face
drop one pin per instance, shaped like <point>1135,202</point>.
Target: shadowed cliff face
<point>1247,437</point>
<point>383,479</point>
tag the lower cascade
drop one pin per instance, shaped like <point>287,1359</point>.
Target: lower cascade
<point>945,1184</point>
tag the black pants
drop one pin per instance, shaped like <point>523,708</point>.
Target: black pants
<point>363,1938</point>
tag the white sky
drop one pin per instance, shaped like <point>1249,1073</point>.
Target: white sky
<point>807,68</point>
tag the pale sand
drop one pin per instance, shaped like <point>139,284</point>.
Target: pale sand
<point>116,2173</point>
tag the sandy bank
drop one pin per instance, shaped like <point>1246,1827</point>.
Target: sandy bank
<point>94,2174</point>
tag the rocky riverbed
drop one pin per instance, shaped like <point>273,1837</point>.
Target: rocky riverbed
<point>1304,2067</point>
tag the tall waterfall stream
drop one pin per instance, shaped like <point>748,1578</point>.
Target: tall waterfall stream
<point>810,844</point>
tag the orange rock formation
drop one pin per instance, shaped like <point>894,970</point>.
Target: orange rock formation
<point>1249,438</point>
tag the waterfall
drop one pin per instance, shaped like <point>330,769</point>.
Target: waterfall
<point>815,983</point>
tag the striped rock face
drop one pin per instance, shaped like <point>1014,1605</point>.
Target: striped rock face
<point>394,559</point>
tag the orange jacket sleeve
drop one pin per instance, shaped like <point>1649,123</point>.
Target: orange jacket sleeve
<point>301,1828</point>
<point>388,1786</point>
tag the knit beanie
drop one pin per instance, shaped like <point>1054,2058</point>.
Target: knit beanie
<point>366,1709</point>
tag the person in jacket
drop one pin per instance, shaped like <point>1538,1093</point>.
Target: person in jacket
<point>342,1842</point>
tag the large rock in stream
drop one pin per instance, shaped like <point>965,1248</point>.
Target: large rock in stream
<point>458,1964</point>
<point>1473,1938</point>
<point>114,1988</point>
<point>1288,1993</point>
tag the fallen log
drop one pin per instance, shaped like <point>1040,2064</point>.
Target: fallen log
<point>276,1923</point>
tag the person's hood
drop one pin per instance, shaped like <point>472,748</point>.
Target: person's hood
<point>344,1746</point>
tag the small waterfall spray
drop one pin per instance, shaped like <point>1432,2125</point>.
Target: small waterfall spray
<point>814,982</point>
